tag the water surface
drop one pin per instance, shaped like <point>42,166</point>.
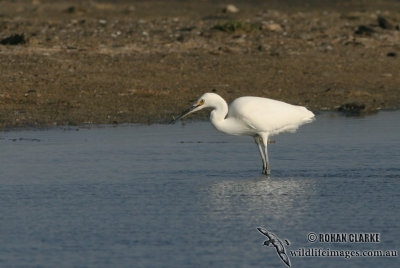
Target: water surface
<point>189,196</point>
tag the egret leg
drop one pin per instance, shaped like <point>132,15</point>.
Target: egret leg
<point>258,140</point>
<point>266,170</point>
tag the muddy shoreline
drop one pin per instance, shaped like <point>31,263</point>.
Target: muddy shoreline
<point>89,62</point>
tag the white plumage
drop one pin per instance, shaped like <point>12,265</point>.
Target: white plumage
<point>253,116</point>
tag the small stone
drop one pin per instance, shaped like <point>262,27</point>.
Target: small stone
<point>102,22</point>
<point>231,9</point>
<point>364,30</point>
<point>14,39</point>
<point>384,23</point>
<point>71,9</point>
<point>273,27</point>
<point>351,108</point>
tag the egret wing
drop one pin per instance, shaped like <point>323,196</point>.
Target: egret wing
<point>267,115</point>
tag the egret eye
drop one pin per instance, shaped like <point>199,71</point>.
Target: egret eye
<point>201,102</point>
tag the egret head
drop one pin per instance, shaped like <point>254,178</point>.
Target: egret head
<point>206,100</point>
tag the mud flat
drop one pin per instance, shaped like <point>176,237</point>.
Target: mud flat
<point>75,62</point>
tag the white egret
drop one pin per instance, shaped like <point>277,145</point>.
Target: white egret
<point>253,116</point>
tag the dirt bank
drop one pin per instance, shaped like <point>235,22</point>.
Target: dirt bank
<point>74,62</point>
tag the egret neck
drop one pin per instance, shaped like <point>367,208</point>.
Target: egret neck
<point>219,112</point>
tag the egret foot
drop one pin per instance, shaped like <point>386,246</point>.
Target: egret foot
<point>266,171</point>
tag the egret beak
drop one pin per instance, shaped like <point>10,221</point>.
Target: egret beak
<point>185,113</point>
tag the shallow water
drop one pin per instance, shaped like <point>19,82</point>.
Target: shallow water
<point>187,195</point>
